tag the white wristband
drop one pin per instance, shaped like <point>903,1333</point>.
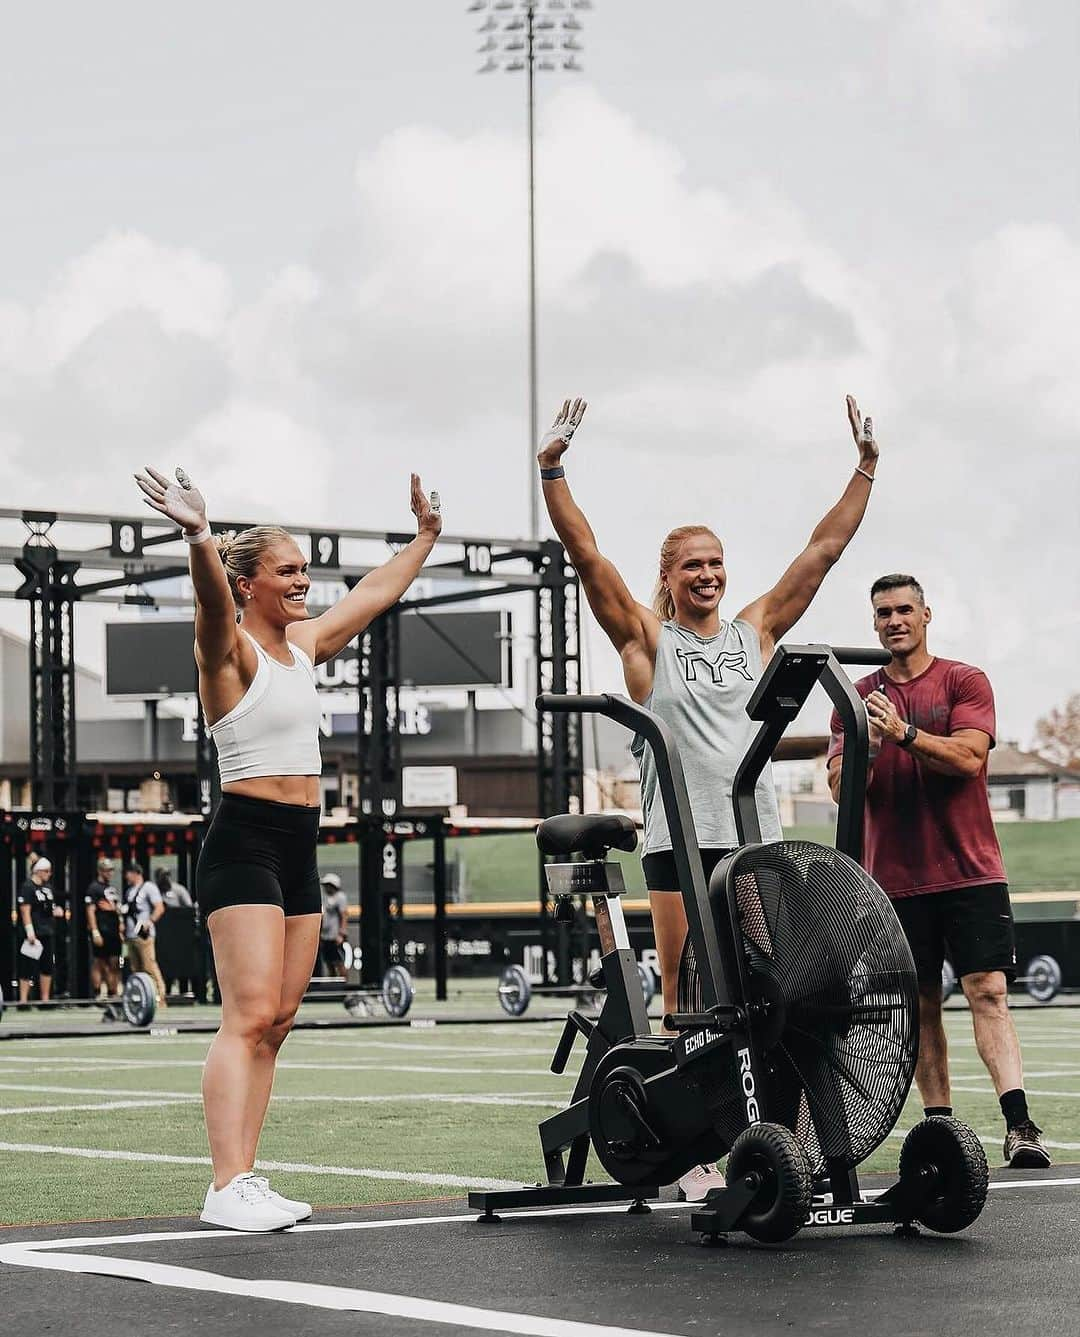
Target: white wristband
<point>200,537</point>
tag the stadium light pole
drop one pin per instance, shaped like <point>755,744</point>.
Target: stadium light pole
<point>531,35</point>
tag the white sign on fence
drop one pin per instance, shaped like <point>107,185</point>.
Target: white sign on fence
<point>428,787</point>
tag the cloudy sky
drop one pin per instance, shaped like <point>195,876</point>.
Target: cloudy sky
<point>284,245</point>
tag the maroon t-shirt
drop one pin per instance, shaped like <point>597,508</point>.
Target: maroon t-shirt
<point>925,831</point>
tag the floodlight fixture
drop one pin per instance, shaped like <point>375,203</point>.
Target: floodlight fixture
<point>531,35</point>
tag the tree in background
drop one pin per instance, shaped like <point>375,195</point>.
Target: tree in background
<point>1057,735</point>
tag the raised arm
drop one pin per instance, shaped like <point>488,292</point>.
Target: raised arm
<point>324,636</point>
<point>215,612</point>
<point>775,613</point>
<point>632,628</point>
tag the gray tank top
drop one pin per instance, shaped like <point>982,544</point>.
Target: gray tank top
<point>700,689</point>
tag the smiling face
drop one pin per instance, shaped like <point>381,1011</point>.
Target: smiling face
<point>697,577</point>
<point>278,589</point>
<point>900,620</point>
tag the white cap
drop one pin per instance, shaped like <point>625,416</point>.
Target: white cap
<point>41,865</point>
<point>331,880</point>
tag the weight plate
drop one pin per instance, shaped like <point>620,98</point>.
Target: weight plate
<point>948,979</point>
<point>1043,979</point>
<point>397,991</point>
<point>139,999</point>
<point>648,983</point>
<point>514,991</point>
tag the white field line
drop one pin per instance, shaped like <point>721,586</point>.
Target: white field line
<point>341,1298</point>
<point>995,1140</point>
<point>31,1254</point>
<point>1073,1042</point>
<point>283,1065</point>
<point>446,1219</point>
<point>522,1099</point>
<point>104,1105</point>
<point>285,1167</point>
<point>424,1045</point>
<point>973,1088</point>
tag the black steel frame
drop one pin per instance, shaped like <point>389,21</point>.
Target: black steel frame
<point>50,586</point>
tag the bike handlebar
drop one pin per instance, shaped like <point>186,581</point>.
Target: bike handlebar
<point>846,654</point>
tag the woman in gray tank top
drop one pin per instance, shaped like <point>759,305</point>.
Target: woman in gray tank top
<point>695,669</point>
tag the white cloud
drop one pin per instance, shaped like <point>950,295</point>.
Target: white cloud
<point>978,33</point>
<point>715,334</point>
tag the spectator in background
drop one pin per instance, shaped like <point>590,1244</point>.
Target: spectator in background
<point>38,913</point>
<point>174,894</point>
<point>143,907</point>
<point>335,919</point>
<point>103,925</point>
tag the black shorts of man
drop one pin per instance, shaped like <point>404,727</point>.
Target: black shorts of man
<point>929,841</point>
<point>103,910</point>
<point>335,919</point>
<point>38,916</point>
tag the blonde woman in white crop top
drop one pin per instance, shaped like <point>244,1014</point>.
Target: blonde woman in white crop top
<point>257,881</point>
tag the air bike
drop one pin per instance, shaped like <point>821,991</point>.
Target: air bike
<point>797,1032</point>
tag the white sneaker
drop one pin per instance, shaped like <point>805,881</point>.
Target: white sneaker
<point>299,1211</point>
<point>697,1183</point>
<point>244,1204</point>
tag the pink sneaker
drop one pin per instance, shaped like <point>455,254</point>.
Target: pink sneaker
<point>695,1185</point>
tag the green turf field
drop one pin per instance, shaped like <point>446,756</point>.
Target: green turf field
<point>109,1125</point>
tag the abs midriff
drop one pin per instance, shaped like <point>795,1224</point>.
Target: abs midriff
<point>300,789</point>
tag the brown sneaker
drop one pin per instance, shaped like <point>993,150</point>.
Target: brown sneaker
<point>1024,1148</point>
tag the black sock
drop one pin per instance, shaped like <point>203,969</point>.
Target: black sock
<point>1014,1107</point>
<point>931,1111</point>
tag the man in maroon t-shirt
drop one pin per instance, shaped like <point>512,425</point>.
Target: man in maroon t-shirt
<point>929,841</point>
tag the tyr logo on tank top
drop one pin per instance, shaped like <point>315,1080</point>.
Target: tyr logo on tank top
<point>701,685</point>
<point>734,662</point>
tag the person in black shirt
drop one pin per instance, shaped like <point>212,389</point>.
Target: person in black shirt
<point>38,912</point>
<point>103,924</point>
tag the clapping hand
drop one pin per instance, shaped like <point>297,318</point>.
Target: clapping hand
<point>883,717</point>
<point>555,441</point>
<point>180,501</point>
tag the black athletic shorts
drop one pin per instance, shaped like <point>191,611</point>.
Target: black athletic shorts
<point>332,953</point>
<point>30,969</point>
<point>110,946</point>
<point>972,926</point>
<point>659,868</point>
<point>258,852</point>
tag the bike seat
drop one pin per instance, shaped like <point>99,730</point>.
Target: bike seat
<point>590,834</point>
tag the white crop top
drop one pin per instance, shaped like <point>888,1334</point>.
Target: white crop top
<point>274,728</point>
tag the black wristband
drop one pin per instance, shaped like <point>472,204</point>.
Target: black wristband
<point>550,475</point>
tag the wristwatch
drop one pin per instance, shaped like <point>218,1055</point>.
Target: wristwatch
<point>909,736</point>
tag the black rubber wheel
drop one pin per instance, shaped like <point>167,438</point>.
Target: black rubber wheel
<point>944,1164</point>
<point>948,980</point>
<point>776,1157</point>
